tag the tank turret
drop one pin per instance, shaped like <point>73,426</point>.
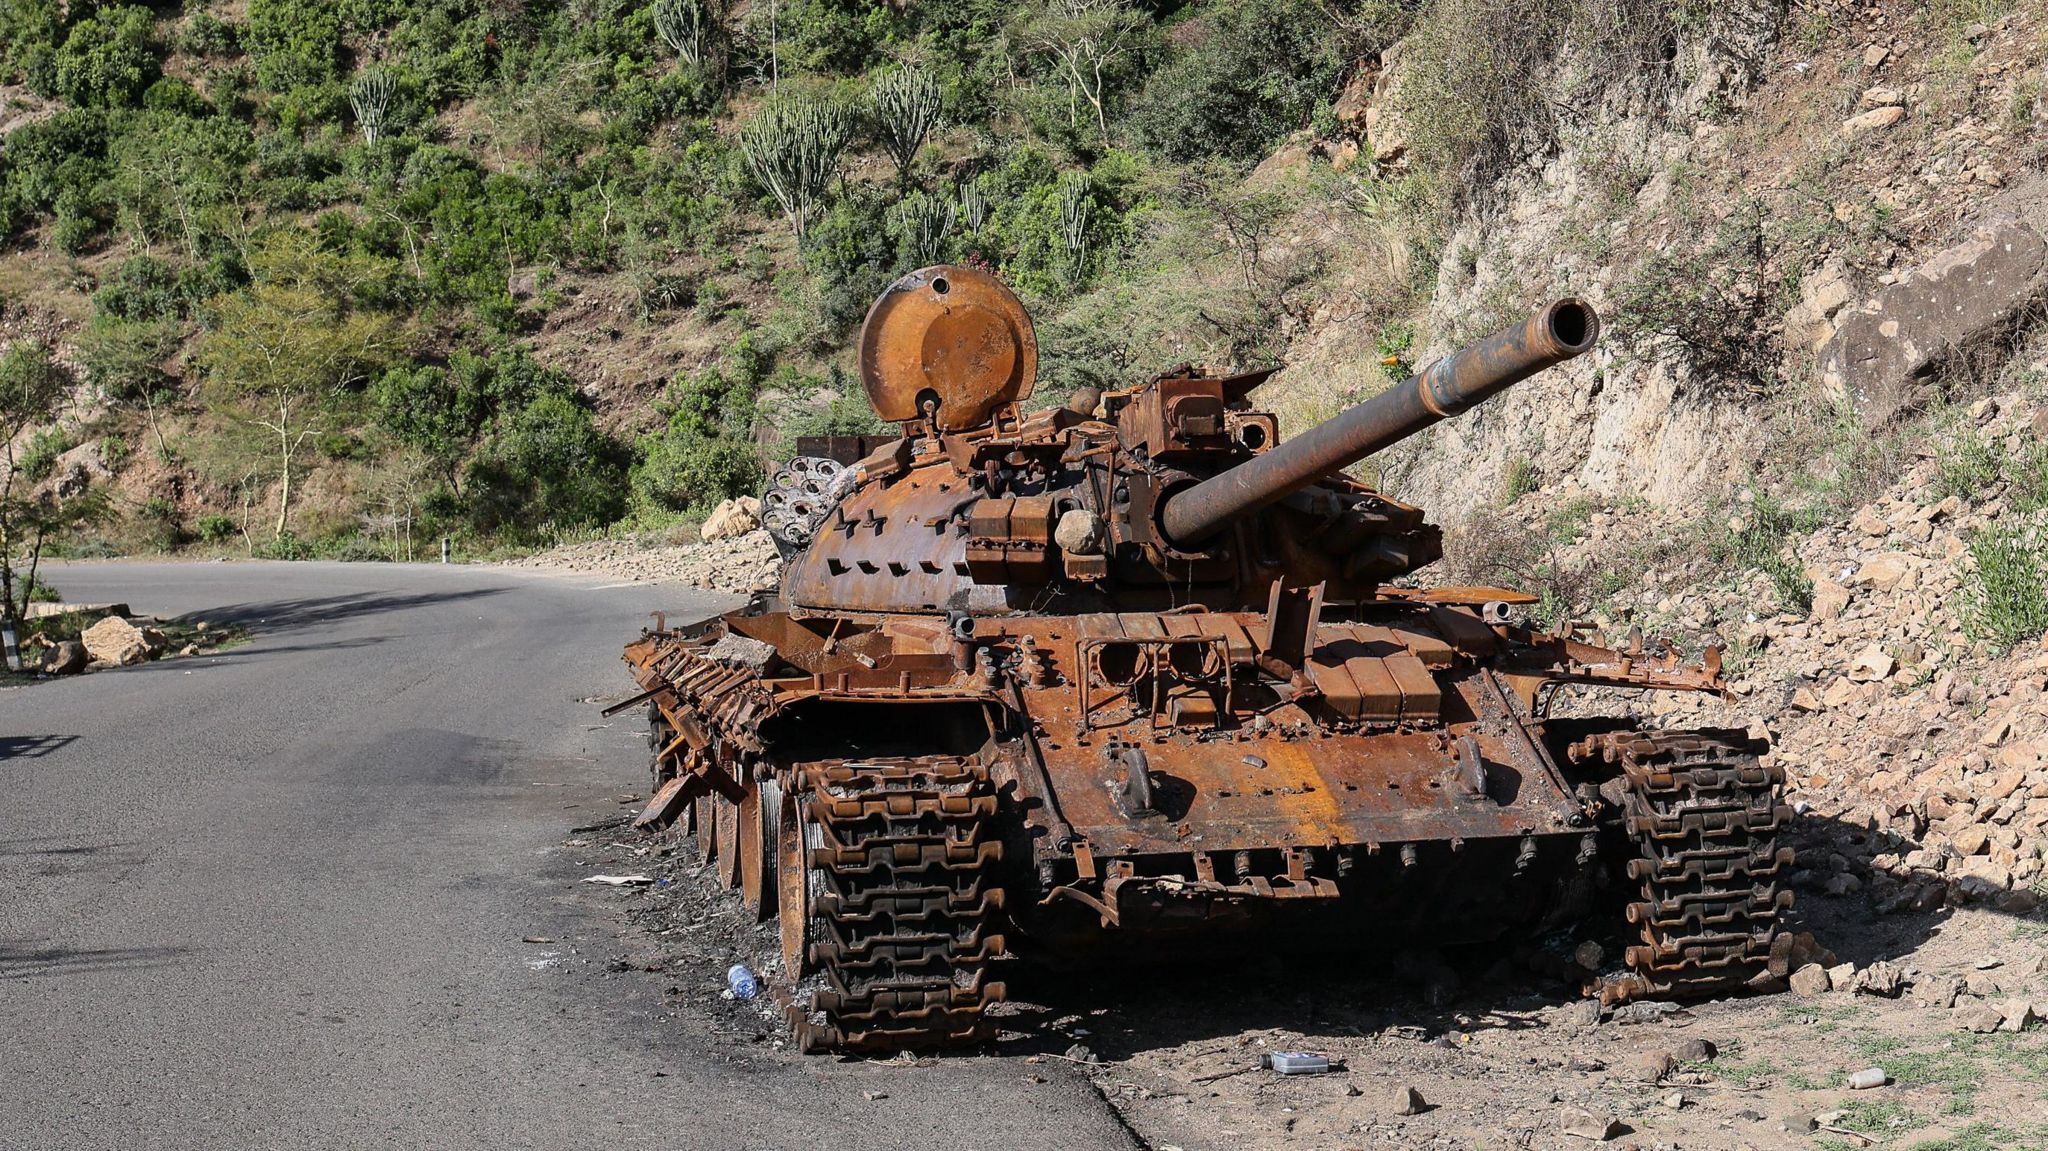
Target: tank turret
<point>1173,491</point>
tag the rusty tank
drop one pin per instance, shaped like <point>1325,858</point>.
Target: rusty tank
<point>1135,672</point>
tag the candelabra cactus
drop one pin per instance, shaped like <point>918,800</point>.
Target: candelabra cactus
<point>793,148</point>
<point>906,104</point>
<point>370,97</point>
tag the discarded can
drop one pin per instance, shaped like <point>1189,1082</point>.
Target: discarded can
<point>1295,1063</point>
<point>744,985</point>
<point>1868,1078</point>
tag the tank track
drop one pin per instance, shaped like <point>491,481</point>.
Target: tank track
<point>905,911</point>
<point>1704,816</point>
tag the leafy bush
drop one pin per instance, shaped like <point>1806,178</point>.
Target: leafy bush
<point>161,527</point>
<point>108,59</point>
<point>547,467</point>
<point>2004,597</point>
<point>297,48</point>
<point>286,545</point>
<point>216,528</point>
<point>124,360</point>
<point>678,470</point>
<point>851,255</point>
<point>39,458</point>
<point>1257,70</point>
<point>141,288</point>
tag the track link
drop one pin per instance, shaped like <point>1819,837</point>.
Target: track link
<point>904,919</point>
<point>1704,816</point>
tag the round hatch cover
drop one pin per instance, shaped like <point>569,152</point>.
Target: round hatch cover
<point>947,335</point>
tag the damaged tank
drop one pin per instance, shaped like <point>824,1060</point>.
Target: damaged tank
<point>1135,672</point>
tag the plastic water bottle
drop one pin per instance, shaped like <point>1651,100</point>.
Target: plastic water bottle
<point>744,985</point>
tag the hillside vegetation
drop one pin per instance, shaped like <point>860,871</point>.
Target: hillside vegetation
<point>334,279</point>
<point>509,270</point>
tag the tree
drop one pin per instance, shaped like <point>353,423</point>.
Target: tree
<point>289,344</point>
<point>793,147</point>
<point>906,103</point>
<point>1086,39</point>
<point>31,388</point>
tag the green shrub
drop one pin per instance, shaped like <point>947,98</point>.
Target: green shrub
<point>216,528</point>
<point>548,467</point>
<point>161,528</point>
<point>208,35</point>
<point>30,31</point>
<point>286,545</point>
<point>851,256</point>
<point>141,288</point>
<point>1256,70</point>
<point>39,458</point>
<point>1520,480</point>
<point>679,470</point>
<point>1967,465</point>
<point>108,59</point>
<point>124,360</point>
<point>2004,597</point>
<point>2028,475</point>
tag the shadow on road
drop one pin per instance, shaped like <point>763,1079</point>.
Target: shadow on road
<point>31,746</point>
<point>286,614</point>
<point>27,958</point>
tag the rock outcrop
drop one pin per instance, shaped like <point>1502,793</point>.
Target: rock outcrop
<point>1884,355</point>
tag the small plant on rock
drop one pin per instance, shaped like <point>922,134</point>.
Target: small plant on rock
<point>2004,597</point>
<point>1520,480</point>
<point>1966,467</point>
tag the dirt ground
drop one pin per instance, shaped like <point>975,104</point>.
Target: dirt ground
<point>1501,1057</point>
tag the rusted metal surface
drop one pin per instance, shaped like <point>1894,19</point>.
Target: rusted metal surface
<point>1010,695</point>
<point>1558,332</point>
<point>947,344</point>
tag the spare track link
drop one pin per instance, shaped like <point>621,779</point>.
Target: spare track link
<point>1704,816</point>
<point>902,854</point>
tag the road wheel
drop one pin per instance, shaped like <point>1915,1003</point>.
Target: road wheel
<point>704,813</point>
<point>728,841</point>
<point>758,813</point>
<point>794,882</point>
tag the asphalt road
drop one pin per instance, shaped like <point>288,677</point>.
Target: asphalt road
<point>274,897</point>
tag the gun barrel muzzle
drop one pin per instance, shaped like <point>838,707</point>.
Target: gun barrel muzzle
<point>1557,332</point>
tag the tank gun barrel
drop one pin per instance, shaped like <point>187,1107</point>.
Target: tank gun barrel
<point>1556,333</point>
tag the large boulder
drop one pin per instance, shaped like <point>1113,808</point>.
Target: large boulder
<point>67,658</point>
<point>116,641</point>
<point>1884,356</point>
<point>732,519</point>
